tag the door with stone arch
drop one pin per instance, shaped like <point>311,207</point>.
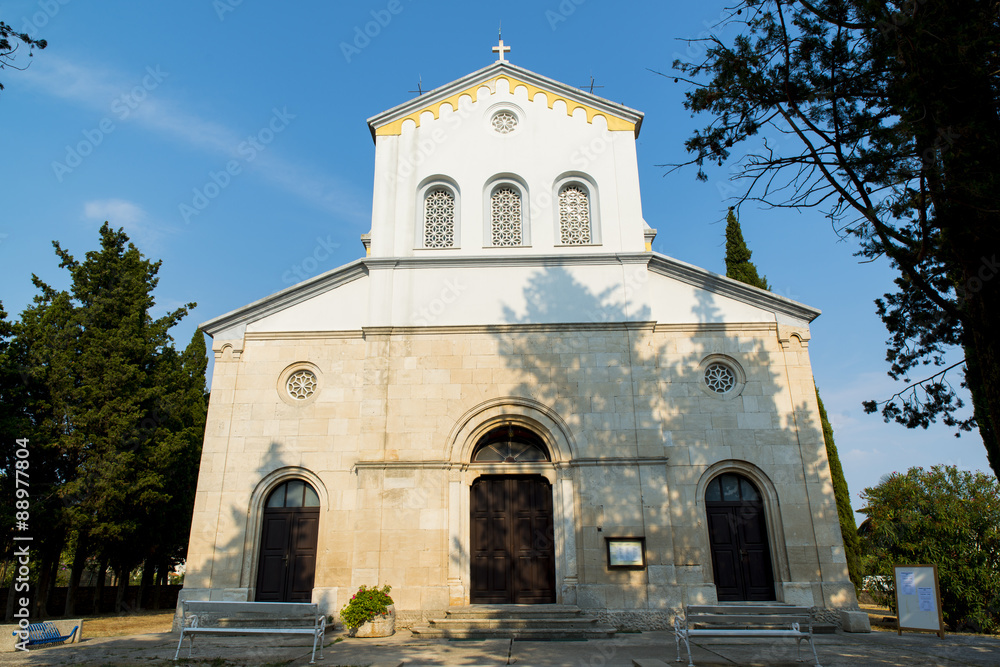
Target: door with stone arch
<point>512,539</point>
<point>286,567</point>
<point>737,529</point>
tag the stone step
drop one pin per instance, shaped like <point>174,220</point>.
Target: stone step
<point>514,611</point>
<point>528,634</point>
<point>527,622</point>
<point>580,622</point>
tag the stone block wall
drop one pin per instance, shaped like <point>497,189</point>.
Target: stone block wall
<point>635,435</point>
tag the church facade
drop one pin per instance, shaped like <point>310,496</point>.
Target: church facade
<point>511,398</point>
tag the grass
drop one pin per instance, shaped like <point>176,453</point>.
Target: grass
<point>139,623</point>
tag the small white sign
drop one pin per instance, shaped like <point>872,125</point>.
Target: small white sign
<point>908,585</point>
<point>926,597</point>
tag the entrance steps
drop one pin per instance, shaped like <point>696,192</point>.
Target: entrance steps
<point>515,621</point>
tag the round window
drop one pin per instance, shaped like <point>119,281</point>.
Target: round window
<point>720,378</point>
<point>504,122</point>
<point>301,385</point>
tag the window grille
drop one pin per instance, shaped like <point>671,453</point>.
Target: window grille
<point>301,385</point>
<point>574,216</point>
<point>439,219</point>
<point>720,378</point>
<point>504,122</point>
<point>506,217</point>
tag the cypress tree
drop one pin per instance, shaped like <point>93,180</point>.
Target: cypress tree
<point>848,526</point>
<point>738,264</point>
<point>739,267</point>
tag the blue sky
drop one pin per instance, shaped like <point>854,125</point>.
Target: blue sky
<point>228,138</point>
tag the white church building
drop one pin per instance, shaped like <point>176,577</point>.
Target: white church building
<point>510,399</point>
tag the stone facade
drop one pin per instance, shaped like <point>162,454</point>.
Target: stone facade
<point>412,355</point>
<point>634,437</point>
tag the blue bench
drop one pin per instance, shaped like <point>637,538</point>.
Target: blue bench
<point>45,633</point>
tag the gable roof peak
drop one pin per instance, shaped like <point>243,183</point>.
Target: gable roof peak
<point>619,116</point>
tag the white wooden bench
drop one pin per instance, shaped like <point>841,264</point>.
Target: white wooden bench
<point>292,618</point>
<point>744,620</point>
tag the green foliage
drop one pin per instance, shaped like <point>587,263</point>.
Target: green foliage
<point>9,44</point>
<point>883,114</point>
<point>738,264</point>
<point>365,605</point>
<point>848,527</point>
<point>115,414</point>
<point>946,517</point>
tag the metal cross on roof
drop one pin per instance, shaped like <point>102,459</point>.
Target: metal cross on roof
<point>501,49</point>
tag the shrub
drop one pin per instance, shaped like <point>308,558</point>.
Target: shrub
<point>365,605</point>
<point>946,517</point>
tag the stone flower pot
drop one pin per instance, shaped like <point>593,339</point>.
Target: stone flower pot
<point>380,626</point>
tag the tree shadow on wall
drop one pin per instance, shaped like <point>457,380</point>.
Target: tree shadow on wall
<point>646,428</point>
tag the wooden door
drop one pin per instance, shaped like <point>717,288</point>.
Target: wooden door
<point>740,555</point>
<point>512,541</point>
<point>287,563</point>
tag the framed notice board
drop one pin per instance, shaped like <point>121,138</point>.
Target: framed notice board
<point>918,599</point>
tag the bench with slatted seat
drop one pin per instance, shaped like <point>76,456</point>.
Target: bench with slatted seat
<point>767,621</point>
<point>45,633</point>
<point>237,618</point>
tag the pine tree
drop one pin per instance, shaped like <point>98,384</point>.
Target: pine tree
<point>739,267</point>
<point>122,412</point>
<point>738,264</point>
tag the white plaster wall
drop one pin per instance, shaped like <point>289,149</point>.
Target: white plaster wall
<point>462,146</point>
<point>503,294</point>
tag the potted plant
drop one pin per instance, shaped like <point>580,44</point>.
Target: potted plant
<point>370,613</point>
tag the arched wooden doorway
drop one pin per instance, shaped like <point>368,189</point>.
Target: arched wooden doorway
<point>287,565</point>
<point>741,558</point>
<point>512,536</point>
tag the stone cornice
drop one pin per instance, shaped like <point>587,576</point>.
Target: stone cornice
<point>500,261</point>
<point>508,328</point>
<point>287,297</point>
<point>733,289</point>
<point>236,320</point>
<point>492,468</point>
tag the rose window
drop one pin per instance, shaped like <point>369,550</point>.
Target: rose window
<point>720,378</point>
<point>301,385</point>
<point>504,122</point>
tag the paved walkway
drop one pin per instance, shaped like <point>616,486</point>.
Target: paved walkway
<point>876,649</point>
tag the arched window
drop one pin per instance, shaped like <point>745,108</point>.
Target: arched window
<point>731,488</point>
<point>510,444</point>
<point>293,493</point>
<point>574,215</point>
<point>439,218</point>
<point>506,216</point>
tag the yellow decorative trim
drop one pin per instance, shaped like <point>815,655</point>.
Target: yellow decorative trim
<point>395,128</point>
<point>649,247</point>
